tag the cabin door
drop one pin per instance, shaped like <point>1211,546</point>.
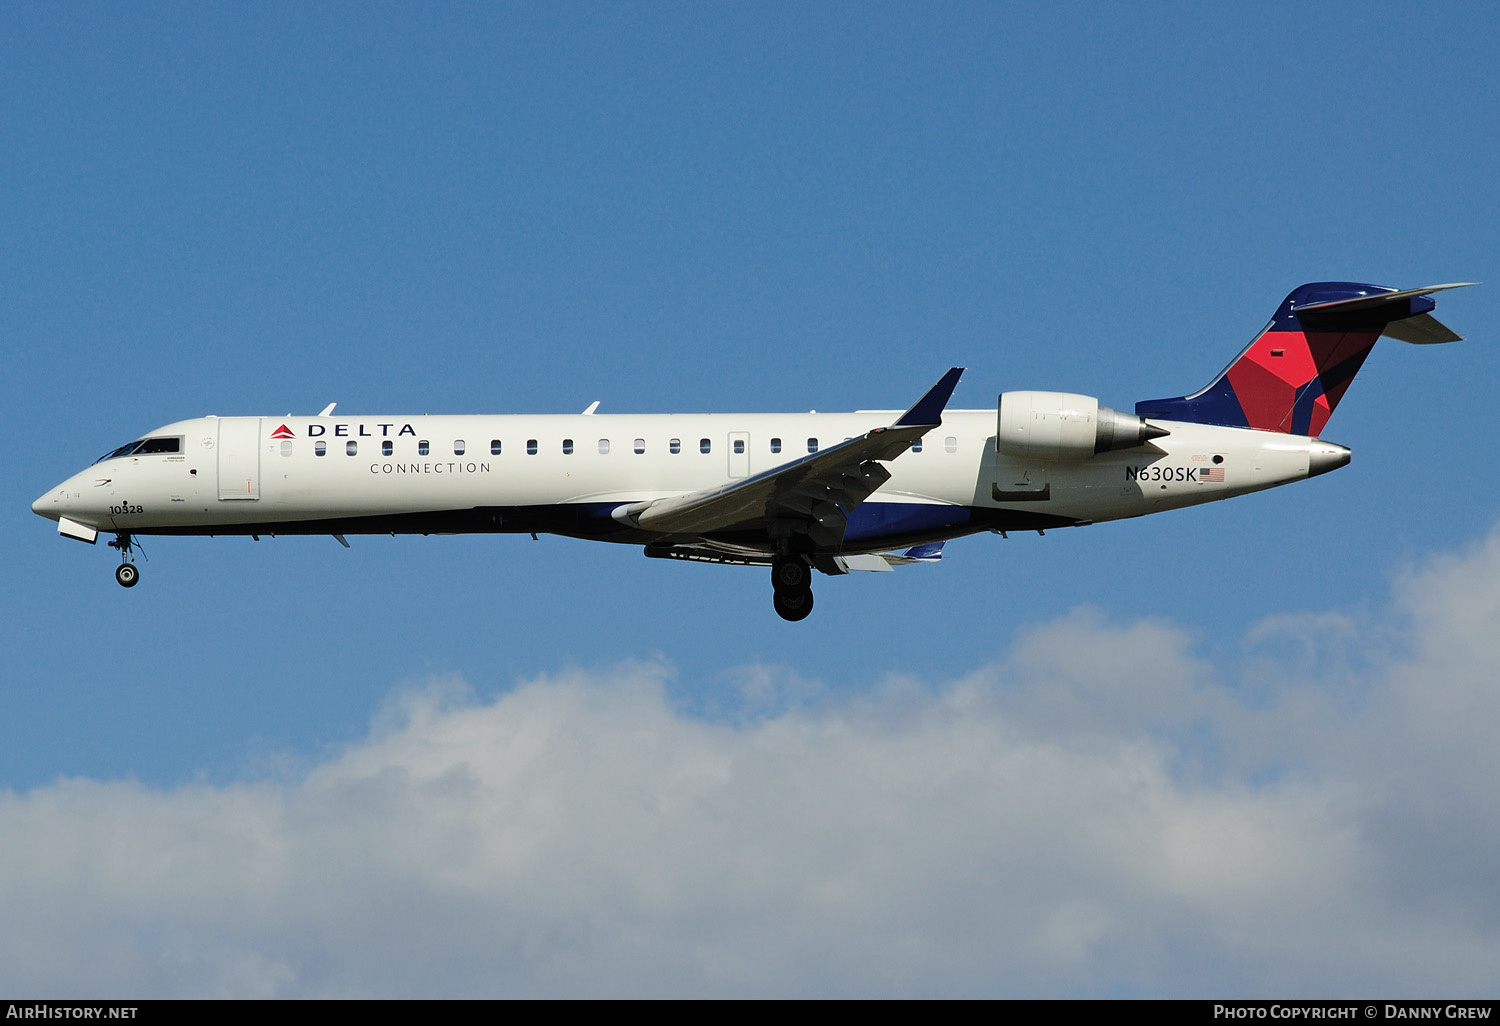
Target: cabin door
<point>239,457</point>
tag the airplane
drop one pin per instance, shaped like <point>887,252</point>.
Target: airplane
<point>795,492</point>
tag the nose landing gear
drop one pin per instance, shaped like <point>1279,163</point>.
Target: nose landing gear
<point>126,573</point>
<point>791,578</point>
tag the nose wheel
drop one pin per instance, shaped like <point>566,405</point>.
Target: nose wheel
<point>791,578</point>
<point>126,573</point>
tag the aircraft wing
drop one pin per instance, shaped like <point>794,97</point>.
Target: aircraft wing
<point>821,486</point>
<point>700,552</point>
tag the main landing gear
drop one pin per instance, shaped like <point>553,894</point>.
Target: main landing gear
<point>791,577</point>
<point>126,573</point>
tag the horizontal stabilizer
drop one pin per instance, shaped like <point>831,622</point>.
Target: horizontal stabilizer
<point>1384,312</point>
<point>1380,300</point>
<point>1423,330</point>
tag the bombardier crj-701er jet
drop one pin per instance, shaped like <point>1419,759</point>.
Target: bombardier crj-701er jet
<point>836,492</point>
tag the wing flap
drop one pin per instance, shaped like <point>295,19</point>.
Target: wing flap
<point>878,562</point>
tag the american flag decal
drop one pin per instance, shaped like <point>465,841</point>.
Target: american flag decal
<point>1212,474</point>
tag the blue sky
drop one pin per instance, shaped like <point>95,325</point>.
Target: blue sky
<point>524,208</point>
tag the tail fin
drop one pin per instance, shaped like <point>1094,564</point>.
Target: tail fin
<point>1295,372</point>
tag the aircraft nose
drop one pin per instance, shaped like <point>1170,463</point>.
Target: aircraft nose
<point>50,503</point>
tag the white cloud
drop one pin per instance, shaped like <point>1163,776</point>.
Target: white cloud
<point>1110,810</point>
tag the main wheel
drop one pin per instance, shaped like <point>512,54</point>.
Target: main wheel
<point>793,605</point>
<point>127,575</point>
<point>790,573</point>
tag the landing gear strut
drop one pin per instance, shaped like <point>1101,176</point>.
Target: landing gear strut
<point>791,578</point>
<point>126,573</point>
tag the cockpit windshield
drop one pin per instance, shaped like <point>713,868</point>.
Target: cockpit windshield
<point>145,447</point>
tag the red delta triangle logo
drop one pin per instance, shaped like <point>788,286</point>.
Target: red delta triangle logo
<point>283,432</point>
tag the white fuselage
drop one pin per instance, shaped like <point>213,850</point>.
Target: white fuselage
<point>569,474</point>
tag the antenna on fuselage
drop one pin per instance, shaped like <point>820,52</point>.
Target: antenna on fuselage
<point>327,409</point>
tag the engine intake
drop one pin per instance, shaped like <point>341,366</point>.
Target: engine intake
<point>1065,426</point>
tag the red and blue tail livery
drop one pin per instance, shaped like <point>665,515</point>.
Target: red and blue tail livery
<point>1291,378</point>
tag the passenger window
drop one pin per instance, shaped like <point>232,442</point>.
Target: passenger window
<point>775,445</point>
<point>351,447</point>
<point>387,447</point>
<point>739,445</point>
<point>812,445</point>
<point>320,448</point>
<point>567,446</point>
<point>674,446</point>
<point>704,445</point>
<point>423,448</point>
<point>916,445</point>
<point>531,446</point>
<point>459,446</point>
<point>640,446</point>
<point>286,447</point>
<point>950,443</point>
<point>494,447</point>
<point>604,447</point>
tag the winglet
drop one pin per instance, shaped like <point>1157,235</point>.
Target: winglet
<point>928,410</point>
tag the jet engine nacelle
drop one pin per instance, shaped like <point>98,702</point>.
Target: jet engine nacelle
<point>1064,426</point>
